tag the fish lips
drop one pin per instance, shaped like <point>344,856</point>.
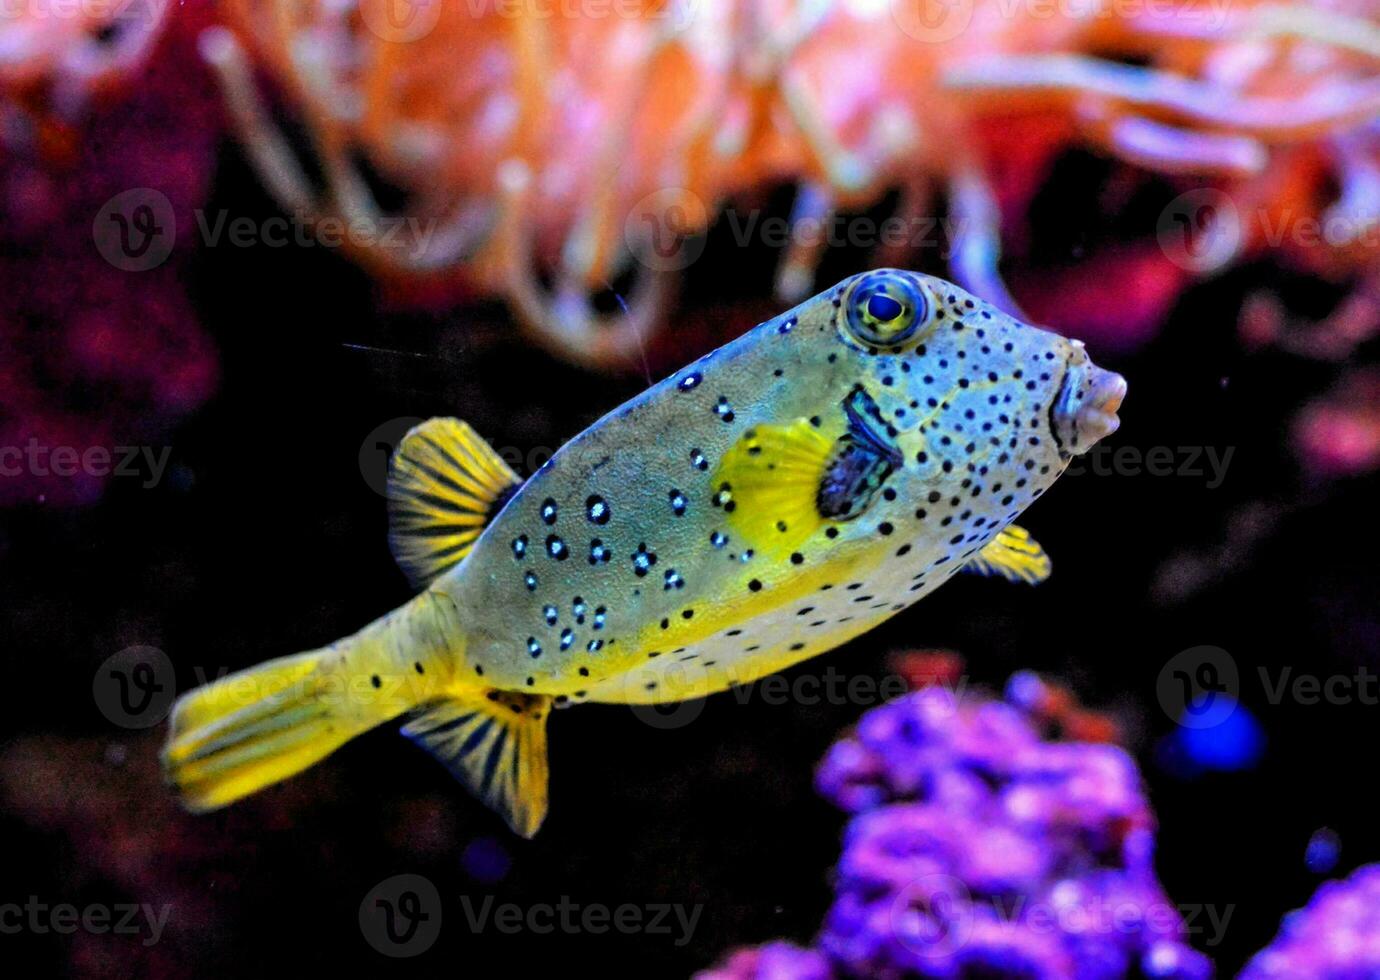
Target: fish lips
<point>1085,409</point>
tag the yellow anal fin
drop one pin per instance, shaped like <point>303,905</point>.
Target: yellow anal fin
<point>768,483</point>
<point>495,743</point>
<point>1014,555</point>
<point>445,485</point>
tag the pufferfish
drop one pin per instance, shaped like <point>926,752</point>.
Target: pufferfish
<point>759,507</point>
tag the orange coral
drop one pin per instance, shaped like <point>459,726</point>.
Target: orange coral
<point>56,57</point>
<point>570,139</point>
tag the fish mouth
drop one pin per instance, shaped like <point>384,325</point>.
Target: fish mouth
<point>1085,409</point>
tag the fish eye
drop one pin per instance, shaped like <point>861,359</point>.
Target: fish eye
<point>886,309</point>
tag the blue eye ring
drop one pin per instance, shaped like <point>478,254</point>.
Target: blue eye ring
<point>886,308</point>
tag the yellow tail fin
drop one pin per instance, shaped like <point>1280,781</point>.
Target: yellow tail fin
<point>259,726</point>
<point>255,728</point>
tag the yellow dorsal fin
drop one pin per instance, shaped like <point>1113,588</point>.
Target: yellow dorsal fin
<point>495,743</point>
<point>767,484</point>
<point>446,483</point>
<point>1013,554</point>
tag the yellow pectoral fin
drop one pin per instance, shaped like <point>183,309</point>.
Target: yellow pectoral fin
<point>1014,555</point>
<point>445,485</point>
<point>495,743</point>
<point>768,482</point>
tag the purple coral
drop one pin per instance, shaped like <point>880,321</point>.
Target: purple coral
<point>979,847</point>
<point>1337,935</point>
<point>772,961</point>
